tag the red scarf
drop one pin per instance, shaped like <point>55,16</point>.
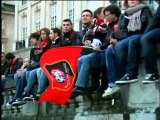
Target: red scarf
<point>99,21</point>
<point>43,44</point>
<point>14,61</point>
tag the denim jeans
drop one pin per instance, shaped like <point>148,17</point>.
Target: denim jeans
<point>85,62</point>
<point>129,47</point>
<point>116,59</point>
<point>20,84</point>
<point>4,79</point>
<point>149,41</point>
<point>31,80</point>
<point>110,65</point>
<point>42,81</point>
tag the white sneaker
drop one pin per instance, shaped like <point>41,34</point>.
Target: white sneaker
<point>110,91</point>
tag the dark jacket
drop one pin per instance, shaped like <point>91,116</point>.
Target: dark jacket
<point>71,39</point>
<point>155,23</point>
<point>122,31</point>
<point>57,43</point>
<point>4,67</point>
<point>110,30</point>
<point>34,59</point>
<point>10,72</point>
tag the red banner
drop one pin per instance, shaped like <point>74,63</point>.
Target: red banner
<point>60,67</point>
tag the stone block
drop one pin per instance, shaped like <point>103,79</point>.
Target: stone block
<point>143,116</point>
<point>30,109</point>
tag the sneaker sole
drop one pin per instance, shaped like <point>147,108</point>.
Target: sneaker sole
<point>8,105</point>
<point>111,93</point>
<point>148,82</point>
<point>28,99</point>
<point>18,103</point>
<point>127,82</point>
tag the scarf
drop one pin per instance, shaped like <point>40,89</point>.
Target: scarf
<point>43,44</point>
<point>135,17</point>
<point>14,61</point>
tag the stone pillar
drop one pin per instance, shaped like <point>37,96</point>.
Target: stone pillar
<point>28,22</point>
<point>77,14</point>
<point>16,25</point>
<point>43,10</point>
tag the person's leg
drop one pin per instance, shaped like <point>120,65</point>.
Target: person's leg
<point>104,79</point>
<point>149,41</point>
<point>121,51</point>
<point>42,81</point>
<point>95,70</point>
<point>110,64</point>
<point>83,74</point>
<point>30,82</point>
<point>21,83</point>
<point>39,72</point>
<point>133,55</point>
<point>4,80</point>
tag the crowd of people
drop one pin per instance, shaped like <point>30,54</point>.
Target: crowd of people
<point>119,40</point>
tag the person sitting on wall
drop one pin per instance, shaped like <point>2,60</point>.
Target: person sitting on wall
<point>149,41</point>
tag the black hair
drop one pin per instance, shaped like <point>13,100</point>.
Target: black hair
<point>113,9</point>
<point>56,30</point>
<point>87,10</point>
<point>35,35</point>
<point>98,11</point>
<point>9,56</point>
<point>67,20</point>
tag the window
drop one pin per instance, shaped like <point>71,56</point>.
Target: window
<point>24,2</point>
<point>37,22</point>
<point>24,27</point>
<point>71,11</point>
<point>53,18</point>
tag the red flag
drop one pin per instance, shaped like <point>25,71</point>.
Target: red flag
<point>60,67</point>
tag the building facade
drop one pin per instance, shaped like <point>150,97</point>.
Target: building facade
<point>7,22</point>
<point>30,16</point>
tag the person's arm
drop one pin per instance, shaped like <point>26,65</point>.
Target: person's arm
<point>122,30</point>
<point>155,23</point>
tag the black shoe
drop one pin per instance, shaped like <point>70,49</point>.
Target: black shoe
<point>10,103</point>
<point>77,91</point>
<point>18,102</point>
<point>150,78</point>
<point>126,79</point>
<point>28,97</point>
<point>37,97</point>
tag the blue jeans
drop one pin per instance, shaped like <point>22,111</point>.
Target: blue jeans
<point>85,62</point>
<point>149,41</point>
<point>128,47</point>
<point>42,81</point>
<point>31,80</point>
<point>3,80</point>
<point>110,64</point>
<point>116,59</point>
<point>20,84</point>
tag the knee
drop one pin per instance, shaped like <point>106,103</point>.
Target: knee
<point>108,51</point>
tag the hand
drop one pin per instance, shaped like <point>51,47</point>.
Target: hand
<point>87,43</point>
<point>97,48</point>
<point>110,45</point>
<point>38,51</point>
<point>113,41</point>
<point>19,73</point>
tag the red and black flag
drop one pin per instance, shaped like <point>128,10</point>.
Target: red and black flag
<point>60,67</point>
